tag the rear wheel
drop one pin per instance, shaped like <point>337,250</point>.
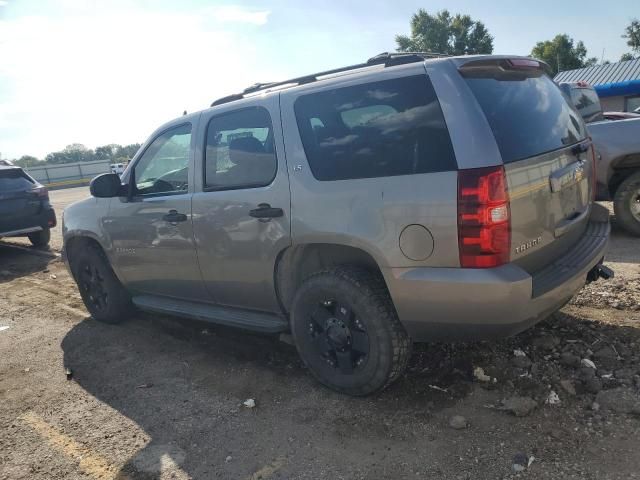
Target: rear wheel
<point>101,291</point>
<point>41,238</point>
<point>627,204</point>
<point>347,331</point>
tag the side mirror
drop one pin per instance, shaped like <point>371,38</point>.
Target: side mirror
<point>107,185</point>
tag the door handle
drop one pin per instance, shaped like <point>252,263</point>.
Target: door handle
<point>174,217</point>
<point>265,210</point>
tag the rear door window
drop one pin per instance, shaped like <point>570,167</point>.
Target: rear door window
<point>528,116</point>
<point>14,180</point>
<point>240,151</point>
<point>379,129</point>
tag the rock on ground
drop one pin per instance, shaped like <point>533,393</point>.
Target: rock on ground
<point>458,422</point>
<point>519,406</point>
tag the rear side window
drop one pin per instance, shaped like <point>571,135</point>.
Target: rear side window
<point>587,103</point>
<point>378,129</point>
<point>240,150</point>
<point>14,179</point>
<point>528,115</point>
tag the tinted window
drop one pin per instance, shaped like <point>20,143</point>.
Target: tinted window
<point>528,116</point>
<point>12,180</point>
<point>240,150</point>
<point>380,129</point>
<point>163,168</point>
<point>587,103</point>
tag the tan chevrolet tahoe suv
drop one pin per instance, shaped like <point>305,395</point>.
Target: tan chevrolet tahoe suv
<point>405,199</point>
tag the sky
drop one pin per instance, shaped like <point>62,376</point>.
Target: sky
<point>99,72</point>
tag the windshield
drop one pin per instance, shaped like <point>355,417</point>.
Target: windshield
<point>528,115</point>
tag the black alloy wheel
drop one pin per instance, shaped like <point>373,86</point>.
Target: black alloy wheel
<point>338,336</point>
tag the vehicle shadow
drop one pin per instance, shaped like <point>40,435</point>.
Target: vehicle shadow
<point>16,263</point>
<point>184,382</point>
<point>623,247</point>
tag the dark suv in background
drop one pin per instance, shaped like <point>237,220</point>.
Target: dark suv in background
<point>25,210</point>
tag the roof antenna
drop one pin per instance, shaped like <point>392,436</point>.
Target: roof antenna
<point>184,113</point>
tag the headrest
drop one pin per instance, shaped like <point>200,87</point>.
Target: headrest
<point>246,144</point>
<point>245,151</point>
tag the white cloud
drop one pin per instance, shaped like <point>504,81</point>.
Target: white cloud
<point>3,3</point>
<point>114,77</point>
<point>238,14</point>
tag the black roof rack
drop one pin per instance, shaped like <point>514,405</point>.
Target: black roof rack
<point>387,59</point>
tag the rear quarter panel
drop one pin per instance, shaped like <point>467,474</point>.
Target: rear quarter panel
<point>369,213</point>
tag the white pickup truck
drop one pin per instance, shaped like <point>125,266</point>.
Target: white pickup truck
<point>117,168</point>
<point>617,155</point>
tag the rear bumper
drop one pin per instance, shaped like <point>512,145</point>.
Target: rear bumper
<point>45,219</point>
<point>438,304</point>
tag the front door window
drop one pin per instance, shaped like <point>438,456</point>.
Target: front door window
<point>163,168</point>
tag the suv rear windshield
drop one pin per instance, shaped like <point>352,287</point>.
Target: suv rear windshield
<point>377,129</point>
<point>14,179</point>
<point>528,116</point>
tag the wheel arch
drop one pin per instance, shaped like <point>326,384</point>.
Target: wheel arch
<point>622,168</point>
<point>298,262</point>
<point>75,243</point>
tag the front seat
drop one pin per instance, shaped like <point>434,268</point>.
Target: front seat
<point>251,164</point>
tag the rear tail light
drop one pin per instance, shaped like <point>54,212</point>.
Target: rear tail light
<point>40,192</point>
<point>484,219</point>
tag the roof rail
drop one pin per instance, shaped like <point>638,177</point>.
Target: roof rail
<point>387,59</point>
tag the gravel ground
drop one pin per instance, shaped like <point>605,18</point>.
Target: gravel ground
<point>157,397</point>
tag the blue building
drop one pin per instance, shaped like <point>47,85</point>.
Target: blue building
<point>617,84</point>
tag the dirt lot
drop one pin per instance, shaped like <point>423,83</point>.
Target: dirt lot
<point>160,398</point>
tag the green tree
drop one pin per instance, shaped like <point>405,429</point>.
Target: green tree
<point>127,151</point>
<point>107,152</point>
<point>562,54</point>
<point>632,34</point>
<point>26,161</point>
<point>444,33</point>
<point>76,152</point>
<point>627,56</point>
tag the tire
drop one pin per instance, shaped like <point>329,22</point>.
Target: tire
<point>40,239</point>
<point>626,204</point>
<point>347,332</point>
<point>102,293</point>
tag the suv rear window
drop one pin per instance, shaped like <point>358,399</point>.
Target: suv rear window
<point>529,116</point>
<point>14,179</point>
<point>378,129</point>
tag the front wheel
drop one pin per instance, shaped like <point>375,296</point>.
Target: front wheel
<point>40,239</point>
<point>626,204</point>
<point>102,293</point>
<point>347,332</point>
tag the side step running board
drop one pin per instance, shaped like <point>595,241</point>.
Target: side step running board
<point>233,317</point>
